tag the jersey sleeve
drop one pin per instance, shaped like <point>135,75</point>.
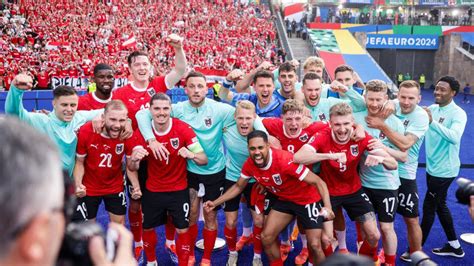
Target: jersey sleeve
<point>246,170</point>
<point>190,139</point>
<point>83,135</point>
<point>315,127</point>
<point>258,125</point>
<point>83,103</point>
<point>227,114</point>
<point>318,140</point>
<point>144,123</point>
<point>240,96</point>
<point>420,126</point>
<point>136,140</point>
<point>273,125</point>
<point>295,170</point>
<point>159,84</point>
<point>365,142</point>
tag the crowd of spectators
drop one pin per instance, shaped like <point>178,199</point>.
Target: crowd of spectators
<point>67,38</point>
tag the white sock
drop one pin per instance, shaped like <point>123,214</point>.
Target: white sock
<point>151,263</point>
<point>246,231</point>
<point>139,244</point>
<point>304,241</point>
<point>257,256</point>
<point>169,242</point>
<point>233,252</point>
<point>454,244</point>
<point>341,239</point>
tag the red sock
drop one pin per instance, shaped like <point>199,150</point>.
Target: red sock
<point>209,241</point>
<point>149,243</point>
<point>135,219</point>
<point>277,262</point>
<point>328,251</point>
<point>369,251</point>
<point>230,238</point>
<point>183,248</point>
<point>390,259</point>
<point>170,231</point>
<point>360,237</point>
<point>257,240</point>
<point>193,233</point>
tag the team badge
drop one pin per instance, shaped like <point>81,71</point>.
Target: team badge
<point>405,123</point>
<point>322,117</point>
<point>174,143</point>
<point>441,120</point>
<point>304,137</point>
<point>277,179</point>
<point>355,150</point>
<point>208,121</point>
<point>151,92</point>
<point>119,148</point>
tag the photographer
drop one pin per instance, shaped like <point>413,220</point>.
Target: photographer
<point>32,202</point>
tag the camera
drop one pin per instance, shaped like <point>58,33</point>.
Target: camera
<point>75,246</point>
<point>465,190</point>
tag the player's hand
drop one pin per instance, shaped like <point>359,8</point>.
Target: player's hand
<point>373,160</point>
<point>158,149</point>
<point>235,75</point>
<point>387,109</point>
<point>175,41</point>
<point>260,189</point>
<point>379,152</point>
<point>306,121</point>
<point>374,122</point>
<point>337,86</point>
<point>327,213</point>
<point>209,206</point>
<point>340,157</point>
<point>124,255</point>
<point>186,154</point>
<point>375,144</point>
<point>138,154</point>
<point>307,113</point>
<point>265,65</point>
<point>98,124</point>
<point>23,82</point>
<point>428,111</point>
<point>80,191</point>
<point>136,193</point>
<point>358,134</point>
<point>127,131</point>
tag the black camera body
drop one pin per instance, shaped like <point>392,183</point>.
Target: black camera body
<point>465,190</point>
<point>75,247</point>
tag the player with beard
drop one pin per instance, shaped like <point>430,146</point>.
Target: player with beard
<point>166,188</point>
<point>104,80</point>
<point>235,137</point>
<point>416,123</point>
<point>340,156</point>
<point>98,170</point>
<point>136,96</point>
<point>380,184</point>
<point>208,119</point>
<point>275,170</point>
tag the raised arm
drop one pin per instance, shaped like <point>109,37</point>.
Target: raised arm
<point>308,155</point>
<point>177,73</point>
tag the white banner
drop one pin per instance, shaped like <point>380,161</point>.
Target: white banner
<point>82,83</point>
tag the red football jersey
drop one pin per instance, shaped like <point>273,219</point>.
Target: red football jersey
<point>89,102</point>
<point>275,128</point>
<point>283,177</point>
<point>170,174</point>
<point>341,179</point>
<point>136,100</point>
<point>103,161</point>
